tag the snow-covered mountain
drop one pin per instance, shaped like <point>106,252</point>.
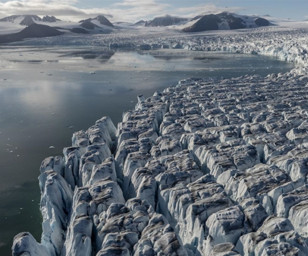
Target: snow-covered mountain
<point>27,20</point>
<point>99,20</point>
<point>165,21</point>
<point>12,25</point>
<point>19,18</point>
<point>224,21</point>
<point>99,24</point>
<point>16,23</point>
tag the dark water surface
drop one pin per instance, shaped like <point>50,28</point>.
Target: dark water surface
<point>46,94</point>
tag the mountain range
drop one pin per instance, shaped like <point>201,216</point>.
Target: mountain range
<point>27,20</point>
<point>101,25</point>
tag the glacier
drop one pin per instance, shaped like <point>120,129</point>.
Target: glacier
<point>207,167</point>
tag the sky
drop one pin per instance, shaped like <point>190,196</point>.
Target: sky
<point>135,10</point>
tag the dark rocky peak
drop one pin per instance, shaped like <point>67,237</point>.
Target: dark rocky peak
<point>261,22</point>
<point>50,19</point>
<point>206,22</point>
<point>39,30</point>
<point>233,21</point>
<point>88,24</point>
<point>104,21</point>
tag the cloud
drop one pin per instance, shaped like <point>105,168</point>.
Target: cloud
<point>39,7</point>
<point>205,9</point>
<point>135,9</point>
<point>139,4</point>
<point>126,10</point>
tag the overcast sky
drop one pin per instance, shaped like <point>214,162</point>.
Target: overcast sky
<point>134,10</point>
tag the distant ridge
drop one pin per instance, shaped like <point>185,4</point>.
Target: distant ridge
<point>225,21</point>
<point>27,20</point>
<point>101,25</point>
<point>33,31</point>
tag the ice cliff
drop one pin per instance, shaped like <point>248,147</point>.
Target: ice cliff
<point>208,167</point>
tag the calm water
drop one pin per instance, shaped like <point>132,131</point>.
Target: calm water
<point>46,94</point>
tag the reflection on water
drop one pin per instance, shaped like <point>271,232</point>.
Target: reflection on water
<point>102,56</point>
<point>47,94</point>
<point>17,208</point>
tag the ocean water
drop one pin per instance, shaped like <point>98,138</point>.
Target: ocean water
<point>46,94</point>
